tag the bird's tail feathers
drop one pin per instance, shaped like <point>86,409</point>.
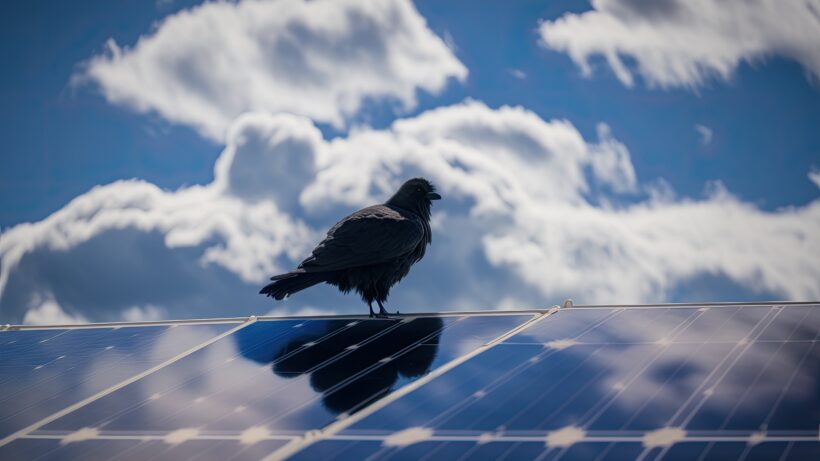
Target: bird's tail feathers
<point>285,285</point>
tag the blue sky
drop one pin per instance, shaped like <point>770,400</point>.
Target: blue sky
<point>68,130</point>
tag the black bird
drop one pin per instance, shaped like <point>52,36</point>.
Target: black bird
<point>368,251</point>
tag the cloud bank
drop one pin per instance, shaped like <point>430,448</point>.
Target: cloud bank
<point>684,43</point>
<point>322,59</point>
<point>524,223</point>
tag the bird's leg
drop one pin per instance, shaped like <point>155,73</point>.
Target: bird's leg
<point>382,310</point>
<point>370,306</point>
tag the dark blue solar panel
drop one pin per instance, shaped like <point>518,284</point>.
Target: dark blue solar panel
<point>134,448</point>
<point>284,376</point>
<point>626,451</point>
<point>659,383</point>
<point>669,381</point>
<point>44,371</point>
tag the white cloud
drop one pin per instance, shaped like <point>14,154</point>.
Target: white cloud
<point>147,313</point>
<point>305,311</point>
<point>323,59</point>
<point>50,313</point>
<point>814,176</point>
<point>685,43</point>
<point>705,133</point>
<point>524,181</point>
<point>520,221</point>
<point>130,243</point>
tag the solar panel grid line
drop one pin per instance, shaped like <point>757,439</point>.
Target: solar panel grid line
<point>791,380</point>
<point>185,383</point>
<point>786,451</point>
<point>444,417</point>
<point>303,347</point>
<point>54,416</point>
<point>23,390</point>
<point>353,377</point>
<point>147,436</point>
<point>308,439</point>
<point>74,326</point>
<point>780,396</point>
<point>414,315</point>
<point>647,450</point>
<point>115,325</point>
<point>634,436</point>
<point>407,315</point>
<point>772,315</point>
<point>394,356</point>
<point>755,333</point>
<point>601,322</point>
<point>92,418</point>
<point>77,326</point>
<point>700,304</point>
<point>758,328</point>
<point>760,373</point>
<point>454,408</point>
<point>681,365</point>
<point>674,333</point>
<point>547,452</point>
<point>703,385</point>
<point>421,340</point>
<point>348,351</point>
<point>430,454</point>
<point>638,372</point>
<point>214,366</point>
<point>508,376</point>
<point>346,381</point>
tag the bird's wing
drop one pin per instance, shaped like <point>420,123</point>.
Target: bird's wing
<point>370,236</point>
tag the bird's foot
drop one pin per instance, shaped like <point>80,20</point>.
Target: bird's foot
<point>383,316</point>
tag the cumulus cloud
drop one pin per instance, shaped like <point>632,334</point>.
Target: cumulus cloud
<point>147,313</point>
<point>131,243</point>
<point>323,59</point>
<point>814,176</point>
<point>48,312</point>
<point>521,224</point>
<point>685,43</point>
<point>705,133</point>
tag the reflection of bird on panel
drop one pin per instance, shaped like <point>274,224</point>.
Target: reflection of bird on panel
<point>332,356</point>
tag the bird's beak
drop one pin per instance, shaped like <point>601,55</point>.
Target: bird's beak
<point>433,196</point>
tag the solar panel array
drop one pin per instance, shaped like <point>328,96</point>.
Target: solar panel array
<point>662,382</point>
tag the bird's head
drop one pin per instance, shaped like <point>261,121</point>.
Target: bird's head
<point>416,195</point>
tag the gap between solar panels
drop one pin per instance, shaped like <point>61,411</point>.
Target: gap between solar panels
<point>37,425</point>
<point>331,430</point>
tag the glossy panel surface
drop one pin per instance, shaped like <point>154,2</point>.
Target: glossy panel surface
<point>44,371</point>
<point>604,451</point>
<point>134,448</point>
<point>748,376</point>
<point>285,376</point>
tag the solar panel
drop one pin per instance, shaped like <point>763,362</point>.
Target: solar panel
<point>689,383</point>
<point>268,382</point>
<point>661,382</point>
<point>44,371</point>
